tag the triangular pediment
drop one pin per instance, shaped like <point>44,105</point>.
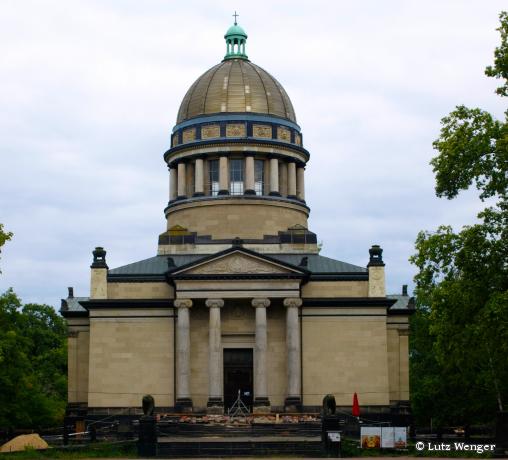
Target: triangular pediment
<point>237,263</point>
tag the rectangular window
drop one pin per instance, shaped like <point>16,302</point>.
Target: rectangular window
<point>213,177</point>
<point>236,177</point>
<point>259,176</point>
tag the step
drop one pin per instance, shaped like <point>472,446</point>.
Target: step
<point>217,446</point>
<point>254,430</point>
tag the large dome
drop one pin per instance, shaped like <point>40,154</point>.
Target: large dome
<point>236,86</point>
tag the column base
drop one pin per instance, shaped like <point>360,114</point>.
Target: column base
<point>261,405</point>
<point>183,405</point>
<point>292,197</point>
<point>215,406</point>
<point>181,197</point>
<point>293,404</point>
<point>223,192</point>
<point>198,194</point>
<point>249,192</point>
<point>274,194</point>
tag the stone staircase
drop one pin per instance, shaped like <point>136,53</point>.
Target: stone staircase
<point>206,440</point>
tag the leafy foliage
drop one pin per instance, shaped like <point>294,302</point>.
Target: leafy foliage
<point>500,68</point>
<point>4,237</point>
<point>459,347</point>
<point>33,362</point>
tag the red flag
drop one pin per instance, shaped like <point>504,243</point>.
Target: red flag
<point>356,406</point>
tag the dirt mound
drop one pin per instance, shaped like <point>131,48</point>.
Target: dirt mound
<point>25,440</point>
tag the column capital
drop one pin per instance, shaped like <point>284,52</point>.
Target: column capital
<point>214,303</point>
<point>260,303</point>
<point>182,303</point>
<point>290,302</point>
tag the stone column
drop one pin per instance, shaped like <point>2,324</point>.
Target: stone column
<point>274,177</point>
<point>215,403</point>
<point>300,183</point>
<point>249,176</point>
<point>292,180</point>
<point>293,401</point>
<point>199,189</point>
<point>261,401</point>
<point>223,176</point>
<point>173,190</point>
<point>182,181</point>
<point>183,399</point>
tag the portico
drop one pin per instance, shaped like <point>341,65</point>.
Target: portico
<point>245,278</point>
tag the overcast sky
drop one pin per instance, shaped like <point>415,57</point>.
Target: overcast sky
<point>89,92</point>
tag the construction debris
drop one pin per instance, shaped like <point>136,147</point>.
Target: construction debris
<point>24,441</point>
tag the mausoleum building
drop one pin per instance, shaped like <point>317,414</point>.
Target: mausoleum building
<point>238,298</point>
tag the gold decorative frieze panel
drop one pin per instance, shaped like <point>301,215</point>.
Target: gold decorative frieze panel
<point>210,131</point>
<point>178,230</point>
<point>298,139</point>
<point>188,135</point>
<point>283,134</point>
<point>263,131</point>
<point>235,130</point>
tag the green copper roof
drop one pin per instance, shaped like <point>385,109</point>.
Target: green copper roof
<point>235,29</point>
<point>235,42</point>
<point>316,263</point>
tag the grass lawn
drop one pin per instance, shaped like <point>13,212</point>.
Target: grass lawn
<point>99,450</point>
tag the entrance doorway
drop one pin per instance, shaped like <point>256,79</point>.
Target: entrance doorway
<point>238,371</point>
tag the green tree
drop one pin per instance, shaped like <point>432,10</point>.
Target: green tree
<point>4,237</point>
<point>459,349</point>
<point>32,363</point>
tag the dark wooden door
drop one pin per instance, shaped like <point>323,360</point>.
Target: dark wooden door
<point>238,376</point>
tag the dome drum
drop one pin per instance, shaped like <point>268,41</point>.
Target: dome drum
<point>248,217</point>
<point>262,128</point>
<point>236,174</point>
<point>242,147</point>
<point>235,199</point>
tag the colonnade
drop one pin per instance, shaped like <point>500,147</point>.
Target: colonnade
<point>178,187</point>
<point>215,389</point>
